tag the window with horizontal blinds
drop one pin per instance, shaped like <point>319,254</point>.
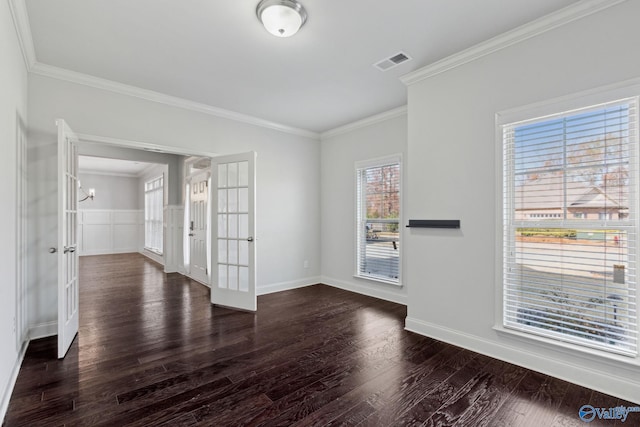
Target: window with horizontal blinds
<point>378,220</point>
<point>570,197</point>
<point>153,207</point>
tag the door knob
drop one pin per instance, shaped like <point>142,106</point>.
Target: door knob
<point>71,249</point>
<point>250,239</point>
<point>53,250</point>
<point>191,234</point>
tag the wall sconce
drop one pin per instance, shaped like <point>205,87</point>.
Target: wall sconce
<point>90,195</point>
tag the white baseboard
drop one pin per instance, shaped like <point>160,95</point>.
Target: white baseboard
<point>387,295</point>
<point>8,391</point>
<point>43,330</point>
<point>153,256</point>
<point>108,252</point>
<point>616,385</point>
<point>286,286</point>
<point>206,285</point>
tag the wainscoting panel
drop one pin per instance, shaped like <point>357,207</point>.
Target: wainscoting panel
<point>125,237</point>
<point>102,232</point>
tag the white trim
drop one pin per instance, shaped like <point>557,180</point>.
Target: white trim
<point>20,322</point>
<point>23,31</point>
<point>368,121</point>
<point>89,139</point>
<point>534,28</point>
<point>105,173</point>
<point>383,294</point>
<point>593,96</point>
<point>43,330</point>
<point>198,281</point>
<point>380,161</point>
<point>8,391</point>
<point>161,98</point>
<point>286,286</point>
<point>153,256</point>
<point>378,279</point>
<point>621,385</point>
<point>599,356</point>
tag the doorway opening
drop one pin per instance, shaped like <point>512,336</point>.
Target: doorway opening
<point>235,266</point>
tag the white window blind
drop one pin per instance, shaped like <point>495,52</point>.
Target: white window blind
<point>378,221</point>
<point>570,198</point>
<point>153,206</point>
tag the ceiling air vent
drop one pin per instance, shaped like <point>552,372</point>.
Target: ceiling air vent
<point>392,61</point>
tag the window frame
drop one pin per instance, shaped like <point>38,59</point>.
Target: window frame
<point>539,111</point>
<point>368,164</point>
<point>147,191</point>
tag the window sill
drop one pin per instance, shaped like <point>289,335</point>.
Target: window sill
<point>599,356</point>
<point>378,280</point>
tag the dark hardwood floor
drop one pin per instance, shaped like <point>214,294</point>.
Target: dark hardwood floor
<point>152,351</point>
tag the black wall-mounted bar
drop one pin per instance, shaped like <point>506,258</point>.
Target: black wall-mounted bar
<point>434,223</point>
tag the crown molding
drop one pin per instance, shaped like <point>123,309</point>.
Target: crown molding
<point>368,121</point>
<point>20,17</point>
<point>161,98</point>
<point>539,26</point>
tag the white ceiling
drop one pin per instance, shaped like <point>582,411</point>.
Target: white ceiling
<point>217,53</point>
<point>103,165</point>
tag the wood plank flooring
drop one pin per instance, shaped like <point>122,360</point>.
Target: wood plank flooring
<point>152,351</point>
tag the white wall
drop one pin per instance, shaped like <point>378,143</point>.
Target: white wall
<point>288,168</point>
<point>452,175</point>
<point>174,164</point>
<point>339,154</point>
<point>112,192</point>
<point>13,116</point>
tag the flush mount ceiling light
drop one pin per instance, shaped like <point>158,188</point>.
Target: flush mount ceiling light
<point>282,18</point>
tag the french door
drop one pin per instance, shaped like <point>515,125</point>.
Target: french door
<point>233,252</point>
<point>68,289</point>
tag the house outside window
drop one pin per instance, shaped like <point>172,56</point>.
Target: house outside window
<point>378,218</point>
<point>570,275</point>
<point>153,215</point>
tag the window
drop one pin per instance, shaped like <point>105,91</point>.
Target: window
<point>378,220</point>
<point>571,277</point>
<point>153,205</point>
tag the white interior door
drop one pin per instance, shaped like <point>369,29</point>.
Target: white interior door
<point>68,289</point>
<point>199,198</point>
<point>233,239</point>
